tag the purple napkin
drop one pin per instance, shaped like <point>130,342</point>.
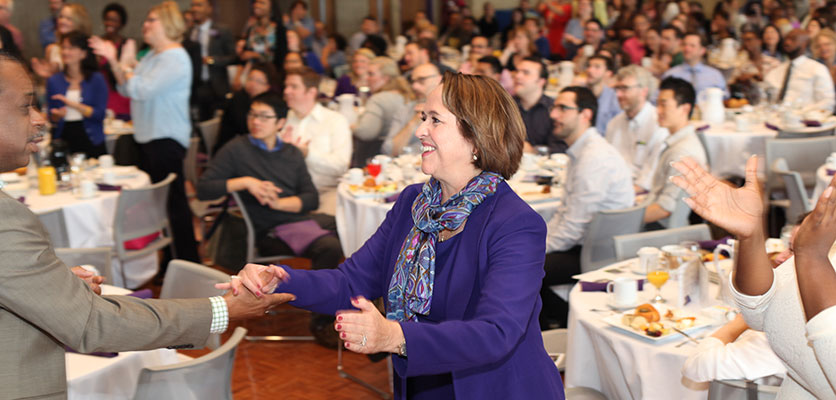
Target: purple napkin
<point>702,128</point>
<point>142,294</point>
<point>299,235</point>
<point>711,244</point>
<point>770,126</point>
<point>95,353</point>
<point>393,198</point>
<point>104,187</point>
<point>811,123</point>
<point>22,199</point>
<point>602,286</point>
<point>830,172</point>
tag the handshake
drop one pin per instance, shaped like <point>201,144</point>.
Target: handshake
<point>245,302</point>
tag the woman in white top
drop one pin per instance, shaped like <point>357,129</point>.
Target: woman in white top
<point>794,304</point>
<point>391,93</point>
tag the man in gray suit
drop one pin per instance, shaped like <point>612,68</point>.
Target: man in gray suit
<point>44,307</point>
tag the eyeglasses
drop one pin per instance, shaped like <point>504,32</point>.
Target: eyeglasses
<point>623,88</point>
<point>422,79</point>
<point>260,117</point>
<point>563,107</point>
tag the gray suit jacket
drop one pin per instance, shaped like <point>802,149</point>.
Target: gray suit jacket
<point>43,307</point>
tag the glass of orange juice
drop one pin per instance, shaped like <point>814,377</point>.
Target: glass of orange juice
<point>657,275</point>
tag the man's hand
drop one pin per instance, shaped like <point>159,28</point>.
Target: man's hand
<point>92,280</point>
<point>263,191</point>
<point>246,305</point>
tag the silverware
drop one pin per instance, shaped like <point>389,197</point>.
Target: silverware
<point>686,335</point>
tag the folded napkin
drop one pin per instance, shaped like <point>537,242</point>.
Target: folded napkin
<point>141,294</point>
<point>140,242</point>
<point>393,198</point>
<point>770,126</point>
<point>830,172</point>
<point>104,187</point>
<point>299,235</point>
<point>602,286</point>
<point>702,128</point>
<point>22,199</point>
<point>710,245</point>
<point>811,123</point>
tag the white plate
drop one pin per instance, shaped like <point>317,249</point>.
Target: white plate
<point>700,322</point>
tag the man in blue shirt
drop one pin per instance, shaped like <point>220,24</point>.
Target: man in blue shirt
<point>693,71</point>
<point>46,28</point>
<point>599,71</point>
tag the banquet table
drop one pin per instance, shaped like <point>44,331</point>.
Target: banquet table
<point>622,365</point>
<point>114,129</point>
<point>358,217</point>
<point>728,149</point>
<point>89,222</point>
<point>111,378</point>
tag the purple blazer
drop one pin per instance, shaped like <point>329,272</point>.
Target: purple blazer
<point>489,335</point>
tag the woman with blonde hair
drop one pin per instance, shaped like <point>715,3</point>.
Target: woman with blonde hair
<point>359,74</point>
<point>159,88</point>
<point>520,45</point>
<point>390,93</point>
<point>72,17</point>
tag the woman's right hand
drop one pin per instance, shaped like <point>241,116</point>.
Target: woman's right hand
<point>103,48</point>
<point>737,210</point>
<point>57,114</point>
<point>258,279</point>
<point>263,191</point>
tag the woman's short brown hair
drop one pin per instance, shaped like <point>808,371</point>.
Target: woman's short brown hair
<point>489,118</point>
<point>173,24</point>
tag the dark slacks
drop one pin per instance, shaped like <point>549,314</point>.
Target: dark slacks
<point>559,267</point>
<point>158,158</point>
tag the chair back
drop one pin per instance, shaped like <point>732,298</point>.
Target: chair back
<point>190,280</point>
<point>205,377</point>
<point>740,390</point>
<point>598,249</point>
<point>99,257</point>
<point>554,340</point>
<point>252,250</point>
<point>142,212</point>
<point>805,133</point>
<point>799,203</point>
<point>56,227</point>
<point>804,156</point>
<point>626,246</point>
<point>190,162</point>
<point>209,130</point>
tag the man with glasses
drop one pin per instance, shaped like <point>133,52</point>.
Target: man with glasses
<point>272,178</point>
<point>529,82</point>
<point>635,132</point>
<point>401,137</point>
<point>598,179</point>
<point>479,47</point>
<point>323,135</point>
<point>593,39</point>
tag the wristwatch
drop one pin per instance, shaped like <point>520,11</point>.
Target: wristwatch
<point>402,349</point>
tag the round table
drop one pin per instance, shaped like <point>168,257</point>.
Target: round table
<point>358,218</point>
<point>620,365</point>
<point>728,149</point>
<point>89,222</point>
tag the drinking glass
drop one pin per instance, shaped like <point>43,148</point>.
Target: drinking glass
<point>373,167</point>
<point>657,275</point>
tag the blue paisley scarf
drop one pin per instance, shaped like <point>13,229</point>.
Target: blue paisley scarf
<point>411,288</point>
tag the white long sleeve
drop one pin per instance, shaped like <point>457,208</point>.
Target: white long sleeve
<point>748,357</point>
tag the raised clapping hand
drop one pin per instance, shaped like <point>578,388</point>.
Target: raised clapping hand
<point>103,48</point>
<point>737,210</point>
<point>818,231</point>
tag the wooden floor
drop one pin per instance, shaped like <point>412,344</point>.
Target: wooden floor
<point>296,370</point>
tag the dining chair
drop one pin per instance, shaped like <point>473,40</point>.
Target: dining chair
<point>56,227</point>
<point>254,256</point>
<point>626,246</point>
<point>209,130</point>
<point>740,390</point>
<point>597,249</point>
<point>583,393</point>
<point>805,133</point>
<point>99,257</point>
<point>204,210</point>
<point>380,392</point>
<point>555,342</point>
<point>205,377</point>
<point>804,155</point>
<point>799,203</point>
<point>189,280</point>
<point>141,213</point>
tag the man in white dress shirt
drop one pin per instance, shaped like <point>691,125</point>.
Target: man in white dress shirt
<point>801,80</point>
<point>322,135</point>
<point>674,107</point>
<point>598,179</point>
<point>635,132</point>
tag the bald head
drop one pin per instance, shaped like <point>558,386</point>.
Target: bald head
<point>425,78</point>
<point>795,43</point>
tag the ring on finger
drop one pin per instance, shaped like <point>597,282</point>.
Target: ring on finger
<point>363,342</point>
<point>231,277</point>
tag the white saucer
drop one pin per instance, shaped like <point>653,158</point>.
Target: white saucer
<point>622,308</point>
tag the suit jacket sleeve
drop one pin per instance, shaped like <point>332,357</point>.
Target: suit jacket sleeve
<point>38,288</point>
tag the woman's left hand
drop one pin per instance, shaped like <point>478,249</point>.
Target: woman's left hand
<point>818,231</point>
<point>366,331</point>
<point>60,97</point>
<point>103,48</point>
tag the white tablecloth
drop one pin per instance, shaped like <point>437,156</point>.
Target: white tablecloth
<point>620,365</point>
<point>728,149</point>
<point>101,378</point>
<point>358,218</point>
<point>90,221</point>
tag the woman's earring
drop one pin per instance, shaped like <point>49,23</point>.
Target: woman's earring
<point>475,158</point>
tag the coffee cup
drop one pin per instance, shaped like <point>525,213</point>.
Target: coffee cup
<point>355,176</point>
<point>106,161</point>
<point>108,176</point>
<point>623,292</point>
<point>648,258</point>
<point>87,189</point>
<point>741,122</point>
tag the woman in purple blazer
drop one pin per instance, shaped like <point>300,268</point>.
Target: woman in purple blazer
<point>458,262</point>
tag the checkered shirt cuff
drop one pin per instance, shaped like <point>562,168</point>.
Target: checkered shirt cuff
<point>220,315</point>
